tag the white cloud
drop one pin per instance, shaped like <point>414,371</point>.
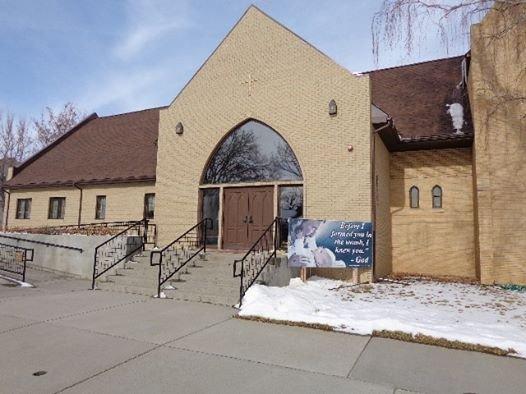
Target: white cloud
<point>148,21</point>
<point>123,89</point>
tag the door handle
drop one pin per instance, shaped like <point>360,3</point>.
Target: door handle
<point>250,219</point>
<point>245,219</point>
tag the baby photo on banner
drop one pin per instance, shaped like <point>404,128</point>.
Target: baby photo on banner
<point>330,244</point>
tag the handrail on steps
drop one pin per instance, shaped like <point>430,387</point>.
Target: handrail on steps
<point>118,249</point>
<point>178,253</point>
<point>260,254</point>
<point>49,244</point>
<point>10,259</point>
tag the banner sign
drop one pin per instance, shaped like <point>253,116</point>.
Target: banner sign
<point>330,244</point>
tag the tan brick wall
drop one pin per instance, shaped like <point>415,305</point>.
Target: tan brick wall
<point>497,78</point>
<point>426,240</point>
<point>40,206</point>
<point>123,202</point>
<point>382,187</point>
<point>294,86</point>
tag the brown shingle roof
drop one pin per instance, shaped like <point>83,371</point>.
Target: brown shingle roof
<point>109,149</point>
<point>416,97</point>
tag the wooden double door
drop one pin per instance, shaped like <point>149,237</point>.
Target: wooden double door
<point>247,212</point>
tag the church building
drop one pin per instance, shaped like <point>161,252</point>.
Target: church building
<point>269,126</point>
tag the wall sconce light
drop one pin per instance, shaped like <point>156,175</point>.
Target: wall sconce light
<point>350,148</point>
<point>333,108</point>
<point>179,128</point>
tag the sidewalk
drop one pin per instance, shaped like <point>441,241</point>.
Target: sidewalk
<point>96,341</point>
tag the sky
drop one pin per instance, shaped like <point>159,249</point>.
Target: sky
<point>123,55</point>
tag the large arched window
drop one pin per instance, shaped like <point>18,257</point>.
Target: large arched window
<point>436,193</point>
<point>252,152</point>
<point>414,197</point>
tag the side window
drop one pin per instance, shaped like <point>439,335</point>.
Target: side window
<point>100,208</point>
<point>57,207</point>
<point>414,197</point>
<point>149,205</point>
<point>437,196</point>
<point>23,208</point>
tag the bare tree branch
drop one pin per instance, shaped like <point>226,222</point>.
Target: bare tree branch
<point>15,145</point>
<point>406,22</point>
<point>51,126</point>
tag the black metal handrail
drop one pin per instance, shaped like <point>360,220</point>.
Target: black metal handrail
<point>152,227</point>
<point>257,257</point>
<point>119,248</point>
<point>42,243</point>
<point>93,224</point>
<point>13,259</point>
<point>179,252</point>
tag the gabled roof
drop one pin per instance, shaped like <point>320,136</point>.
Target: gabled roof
<point>417,98</point>
<point>109,149</point>
<point>249,12</point>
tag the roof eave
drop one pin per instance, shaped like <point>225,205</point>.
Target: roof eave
<point>71,183</point>
<point>87,119</point>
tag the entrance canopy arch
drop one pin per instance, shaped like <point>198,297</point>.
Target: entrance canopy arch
<point>252,152</point>
<point>251,177</point>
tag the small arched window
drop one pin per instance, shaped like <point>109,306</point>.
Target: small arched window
<point>414,197</point>
<point>437,196</point>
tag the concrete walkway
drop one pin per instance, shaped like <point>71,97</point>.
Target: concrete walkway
<point>96,341</point>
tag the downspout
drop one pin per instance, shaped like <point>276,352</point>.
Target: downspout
<point>6,208</point>
<point>80,203</point>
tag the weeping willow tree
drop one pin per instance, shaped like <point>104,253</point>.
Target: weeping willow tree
<point>409,23</point>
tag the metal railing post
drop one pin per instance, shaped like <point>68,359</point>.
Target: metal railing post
<point>159,276</point>
<point>242,275</point>
<point>145,235</point>
<point>276,227</point>
<point>24,269</point>
<point>94,269</point>
<point>204,235</point>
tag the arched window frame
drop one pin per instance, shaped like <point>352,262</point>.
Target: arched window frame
<point>436,197</point>
<point>205,181</point>
<point>414,200</point>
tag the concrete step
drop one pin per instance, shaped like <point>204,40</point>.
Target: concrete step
<point>202,280</point>
<point>204,273</point>
<point>217,299</point>
<point>147,291</point>
<point>132,268</point>
<point>141,258</point>
<point>207,287</point>
<point>209,282</point>
<point>133,280</point>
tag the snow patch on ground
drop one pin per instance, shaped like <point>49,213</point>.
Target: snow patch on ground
<point>19,282</point>
<point>484,315</point>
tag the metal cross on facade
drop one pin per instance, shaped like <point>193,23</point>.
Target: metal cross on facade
<point>249,82</point>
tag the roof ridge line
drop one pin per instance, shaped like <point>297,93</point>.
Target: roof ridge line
<point>133,112</point>
<point>414,64</point>
<point>52,144</point>
<point>271,18</point>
